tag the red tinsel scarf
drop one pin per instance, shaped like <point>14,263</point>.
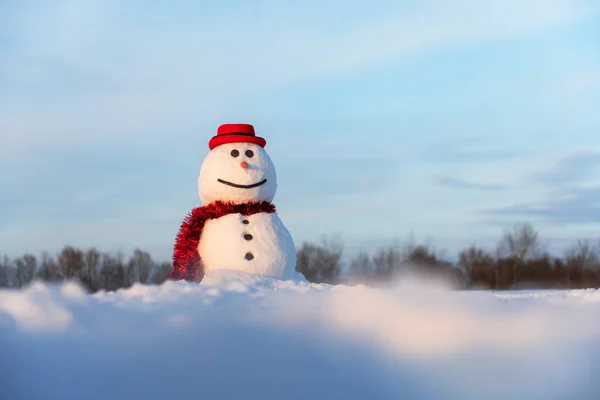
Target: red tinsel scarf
<point>186,260</point>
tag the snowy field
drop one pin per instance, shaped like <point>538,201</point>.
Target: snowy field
<point>241,337</point>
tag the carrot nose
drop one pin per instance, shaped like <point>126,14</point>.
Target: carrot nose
<point>244,164</point>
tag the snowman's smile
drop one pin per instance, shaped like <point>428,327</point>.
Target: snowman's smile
<point>235,185</point>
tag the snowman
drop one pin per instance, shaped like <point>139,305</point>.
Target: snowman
<point>237,228</point>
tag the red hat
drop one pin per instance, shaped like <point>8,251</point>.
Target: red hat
<point>235,133</point>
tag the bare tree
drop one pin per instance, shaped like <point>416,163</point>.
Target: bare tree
<point>160,273</point>
<point>361,265</point>
<point>26,267</point>
<point>583,254</point>
<point>90,272</point>
<point>49,269</point>
<point>423,254</point>
<point>478,265</point>
<point>5,273</point>
<point>519,244</point>
<point>71,262</point>
<point>579,257</point>
<point>389,260</point>
<point>474,257</point>
<point>113,272</point>
<point>139,266</point>
<point>321,263</point>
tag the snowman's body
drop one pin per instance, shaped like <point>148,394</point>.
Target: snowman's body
<point>257,244</point>
<point>238,171</point>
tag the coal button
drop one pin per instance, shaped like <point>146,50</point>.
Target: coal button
<point>245,222</point>
<point>249,256</point>
<point>248,236</point>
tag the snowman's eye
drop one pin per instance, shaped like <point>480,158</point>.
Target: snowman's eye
<point>235,153</point>
<point>249,153</point>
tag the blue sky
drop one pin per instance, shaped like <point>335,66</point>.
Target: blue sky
<point>448,120</point>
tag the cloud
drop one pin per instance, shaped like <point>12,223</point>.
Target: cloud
<point>461,149</point>
<point>571,169</point>
<point>113,78</point>
<point>570,193</point>
<point>86,85</point>
<point>578,206</point>
<point>568,200</point>
<point>461,184</point>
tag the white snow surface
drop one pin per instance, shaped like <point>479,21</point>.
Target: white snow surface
<point>241,336</point>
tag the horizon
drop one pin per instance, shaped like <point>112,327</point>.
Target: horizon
<point>452,123</point>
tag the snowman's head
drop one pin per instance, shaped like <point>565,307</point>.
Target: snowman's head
<point>237,172</point>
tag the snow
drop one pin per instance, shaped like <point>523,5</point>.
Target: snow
<point>242,336</point>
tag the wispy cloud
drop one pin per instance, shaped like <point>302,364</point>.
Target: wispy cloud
<point>165,76</point>
<point>571,169</point>
<point>579,206</point>
<point>571,193</point>
<point>106,107</point>
<point>455,183</point>
<point>459,149</point>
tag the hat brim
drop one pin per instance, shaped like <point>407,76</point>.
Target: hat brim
<point>224,139</point>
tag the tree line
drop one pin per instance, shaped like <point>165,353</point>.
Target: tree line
<point>93,269</point>
<point>519,261</point>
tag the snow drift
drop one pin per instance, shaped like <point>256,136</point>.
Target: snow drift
<point>242,336</point>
